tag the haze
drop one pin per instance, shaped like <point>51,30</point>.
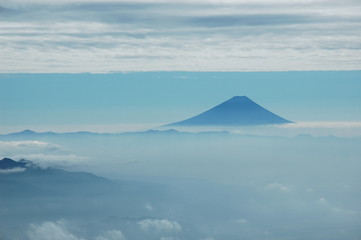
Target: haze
<point>109,128</point>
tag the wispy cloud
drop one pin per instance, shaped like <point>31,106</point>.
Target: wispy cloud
<point>111,235</point>
<point>335,125</point>
<point>12,170</point>
<point>242,221</point>
<point>169,238</point>
<point>47,160</point>
<point>209,238</point>
<point>60,230</point>
<point>28,146</point>
<point>43,154</point>
<point>335,209</point>
<point>149,207</point>
<point>159,225</point>
<point>278,187</point>
<point>82,36</point>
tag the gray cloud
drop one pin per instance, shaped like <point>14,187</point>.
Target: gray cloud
<point>252,20</point>
<point>80,36</point>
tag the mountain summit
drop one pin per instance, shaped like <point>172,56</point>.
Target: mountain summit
<point>237,111</point>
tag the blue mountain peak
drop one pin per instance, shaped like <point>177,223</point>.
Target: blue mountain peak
<point>237,111</point>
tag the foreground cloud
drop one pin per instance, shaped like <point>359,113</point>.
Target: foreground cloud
<point>59,230</point>
<point>51,230</point>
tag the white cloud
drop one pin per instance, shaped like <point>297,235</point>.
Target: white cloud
<point>277,186</point>
<point>159,225</point>
<point>27,146</point>
<point>12,170</point>
<point>51,230</point>
<point>322,125</point>
<point>46,160</point>
<point>203,35</point>
<point>59,230</point>
<point>341,129</point>
<point>43,154</point>
<point>111,235</point>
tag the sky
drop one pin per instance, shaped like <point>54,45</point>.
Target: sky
<point>150,62</point>
<point>48,102</point>
<point>75,36</point>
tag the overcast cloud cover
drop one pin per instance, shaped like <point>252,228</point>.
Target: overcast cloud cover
<point>98,36</point>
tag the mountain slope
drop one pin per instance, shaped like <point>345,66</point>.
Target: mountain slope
<point>237,111</point>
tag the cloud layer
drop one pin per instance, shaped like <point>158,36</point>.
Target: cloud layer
<point>43,154</point>
<point>96,36</point>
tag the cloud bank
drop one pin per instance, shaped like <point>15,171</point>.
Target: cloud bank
<point>43,154</point>
<point>97,36</point>
<point>112,235</point>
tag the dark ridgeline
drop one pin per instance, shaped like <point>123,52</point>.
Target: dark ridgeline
<point>47,178</point>
<point>7,163</point>
<point>237,111</point>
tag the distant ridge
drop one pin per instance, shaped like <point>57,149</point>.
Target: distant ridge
<point>237,111</point>
<point>29,134</point>
<point>7,163</point>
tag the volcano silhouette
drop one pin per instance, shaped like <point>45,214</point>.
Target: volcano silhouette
<point>237,111</point>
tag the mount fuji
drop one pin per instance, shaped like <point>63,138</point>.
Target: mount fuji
<point>237,111</point>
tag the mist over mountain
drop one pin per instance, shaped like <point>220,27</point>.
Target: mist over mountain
<point>179,185</point>
<point>37,194</point>
<point>39,203</point>
<point>237,111</point>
